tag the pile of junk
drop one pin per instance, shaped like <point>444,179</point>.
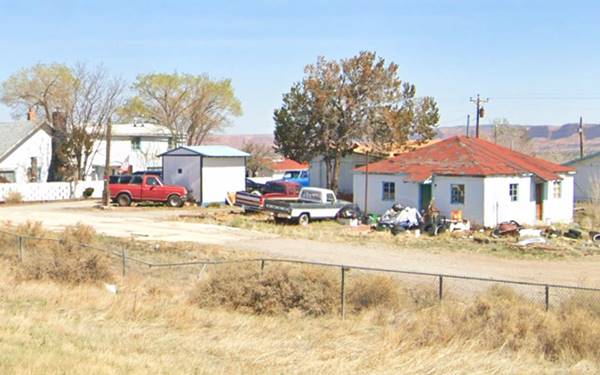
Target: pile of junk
<point>530,236</point>
<point>399,218</point>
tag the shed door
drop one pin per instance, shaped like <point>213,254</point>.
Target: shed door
<point>539,199</point>
<point>425,194</point>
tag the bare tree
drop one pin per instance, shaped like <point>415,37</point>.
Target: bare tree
<point>513,137</point>
<point>86,98</point>
<point>261,157</point>
<point>192,107</point>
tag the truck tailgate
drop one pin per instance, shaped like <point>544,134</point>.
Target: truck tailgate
<point>247,200</point>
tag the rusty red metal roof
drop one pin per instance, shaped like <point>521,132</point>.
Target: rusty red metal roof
<point>288,165</point>
<point>465,156</point>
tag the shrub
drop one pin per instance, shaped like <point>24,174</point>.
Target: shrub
<point>87,193</point>
<point>369,292</point>
<point>13,197</point>
<point>276,290</point>
<point>66,261</point>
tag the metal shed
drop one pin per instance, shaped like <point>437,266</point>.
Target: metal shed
<point>209,172</point>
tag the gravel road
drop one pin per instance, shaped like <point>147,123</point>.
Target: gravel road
<point>150,224</point>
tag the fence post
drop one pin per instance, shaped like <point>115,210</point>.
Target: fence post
<point>441,287</point>
<point>343,293</point>
<point>124,256</point>
<point>547,297</point>
<point>262,265</point>
<point>20,254</point>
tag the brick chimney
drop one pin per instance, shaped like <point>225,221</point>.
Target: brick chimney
<point>31,116</point>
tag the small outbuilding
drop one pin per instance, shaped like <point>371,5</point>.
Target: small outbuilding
<point>208,172</point>
<point>587,179</point>
<point>485,182</point>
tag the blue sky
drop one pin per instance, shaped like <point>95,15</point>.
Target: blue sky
<point>537,60</point>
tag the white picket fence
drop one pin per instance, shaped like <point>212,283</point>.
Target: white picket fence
<point>51,191</point>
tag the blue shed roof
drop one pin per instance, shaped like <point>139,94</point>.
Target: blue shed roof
<point>211,151</point>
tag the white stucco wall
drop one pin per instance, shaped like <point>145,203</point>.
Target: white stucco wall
<point>318,178</point>
<point>473,206</point>
<point>221,176</point>
<point>587,178</point>
<point>121,149</point>
<point>498,206</point>
<point>559,210</point>
<point>189,176</point>
<point>39,145</point>
<point>407,193</point>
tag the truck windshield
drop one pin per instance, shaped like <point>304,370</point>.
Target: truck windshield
<point>291,174</point>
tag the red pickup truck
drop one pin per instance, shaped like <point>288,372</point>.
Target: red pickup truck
<point>273,190</point>
<point>137,188</point>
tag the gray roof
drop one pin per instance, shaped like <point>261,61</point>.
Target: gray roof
<point>212,151</point>
<point>575,161</point>
<point>12,133</point>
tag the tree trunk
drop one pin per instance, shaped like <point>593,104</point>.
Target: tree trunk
<point>335,176</point>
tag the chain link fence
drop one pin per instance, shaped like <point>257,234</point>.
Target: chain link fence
<point>420,284</point>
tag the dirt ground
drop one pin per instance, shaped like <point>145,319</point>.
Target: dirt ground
<point>150,224</point>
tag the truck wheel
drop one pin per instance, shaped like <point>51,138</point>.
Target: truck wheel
<point>124,200</point>
<point>174,201</point>
<point>303,219</point>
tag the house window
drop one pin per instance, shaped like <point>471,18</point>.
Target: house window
<point>513,191</point>
<point>389,191</point>
<point>7,177</point>
<point>557,189</point>
<point>457,193</point>
<point>136,143</point>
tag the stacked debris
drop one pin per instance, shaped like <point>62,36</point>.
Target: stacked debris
<point>399,219</point>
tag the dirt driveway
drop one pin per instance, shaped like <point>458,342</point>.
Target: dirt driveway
<point>150,224</point>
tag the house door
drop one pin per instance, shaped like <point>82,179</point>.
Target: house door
<point>425,194</point>
<point>539,199</point>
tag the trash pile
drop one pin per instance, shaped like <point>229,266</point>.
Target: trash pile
<point>536,236</point>
<point>400,218</point>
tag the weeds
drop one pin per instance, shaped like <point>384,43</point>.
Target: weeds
<point>63,260</point>
<point>311,291</point>
<point>13,197</point>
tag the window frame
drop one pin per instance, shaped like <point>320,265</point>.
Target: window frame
<point>13,173</point>
<point>457,199</point>
<point>136,143</point>
<point>514,195</point>
<point>388,191</point>
<point>557,188</point>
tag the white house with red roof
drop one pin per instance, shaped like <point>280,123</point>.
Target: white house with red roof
<point>485,182</point>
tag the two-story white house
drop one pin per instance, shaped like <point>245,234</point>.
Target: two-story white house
<point>134,147</point>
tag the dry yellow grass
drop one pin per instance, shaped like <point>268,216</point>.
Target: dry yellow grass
<point>155,324</point>
<point>150,326</point>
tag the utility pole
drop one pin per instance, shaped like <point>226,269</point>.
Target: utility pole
<point>468,121</point>
<point>366,184</point>
<point>581,137</point>
<point>106,193</point>
<point>480,111</point>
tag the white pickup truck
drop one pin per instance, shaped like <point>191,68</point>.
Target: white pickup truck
<point>312,204</point>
